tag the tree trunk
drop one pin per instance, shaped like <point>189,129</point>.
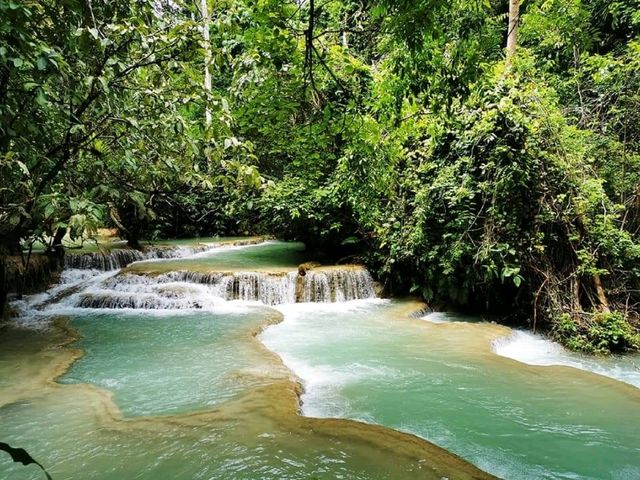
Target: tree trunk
<point>56,246</point>
<point>3,286</point>
<point>207,59</point>
<point>602,296</point>
<point>575,294</point>
<point>512,34</point>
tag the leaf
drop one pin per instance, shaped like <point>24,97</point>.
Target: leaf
<point>41,98</point>
<point>350,241</point>
<point>78,127</point>
<point>23,167</point>
<point>20,455</point>
<point>42,63</point>
<point>104,84</point>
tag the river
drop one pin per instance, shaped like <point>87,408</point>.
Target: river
<point>222,361</point>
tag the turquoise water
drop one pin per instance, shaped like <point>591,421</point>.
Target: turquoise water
<point>442,382</point>
<point>64,434</point>
<point>166,364</point>
<point>114,242</point>
<point>190,393</point>
<point>192,241</point>
<point>271,255</point>
<point>201,399</point>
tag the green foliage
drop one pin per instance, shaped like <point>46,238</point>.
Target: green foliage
<point>601,333</point>
<point>472,185</point>
<point>393,130</point>
<point>294,208</point>
<point>101,117</point>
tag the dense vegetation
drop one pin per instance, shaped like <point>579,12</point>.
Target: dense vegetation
<point>482,154</point>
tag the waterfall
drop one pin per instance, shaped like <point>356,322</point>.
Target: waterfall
<point>336,285</point>
<point>120,258</point>
<point>268,289</point>
<point>146,301</point>
<point>103,261</point>
<point>189,290</point>
<point>332,284</point>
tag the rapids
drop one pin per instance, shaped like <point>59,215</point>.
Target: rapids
<point>443,381</point>
<point>195,360</point>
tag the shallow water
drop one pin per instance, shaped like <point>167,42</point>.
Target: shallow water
<point>272,256</point>
<point>224,412</point>
<point>441,381</point>
<point>165,364</point>
<point>533,349</point>
<point>178,386</point>
<point>192,241</point>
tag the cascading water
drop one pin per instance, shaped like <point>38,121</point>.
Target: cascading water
<point>122,257</point>
<point>103,261</point>
<point>194,290</point>
<point>336,285</point>
<point>148,301</point>
<point>91,281</point>
<point>533,349</point>
<point>252,286</point>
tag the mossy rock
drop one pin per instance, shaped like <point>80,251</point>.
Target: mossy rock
<point>303,268</point>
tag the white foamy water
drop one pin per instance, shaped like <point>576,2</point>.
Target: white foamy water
<point>533,349</point>
<point>337,285</point>
<point>38,310</point>
<point>322,383</point>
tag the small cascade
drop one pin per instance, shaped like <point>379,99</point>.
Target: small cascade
<point>146,301</point>
<point>212,278</point>
<point>322,285</point>
<point>335,285</point>
<point>103,261</point>
<point>252,286</point>
<point>122,257</point>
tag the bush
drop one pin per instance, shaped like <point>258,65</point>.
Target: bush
<point>600,333</point>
